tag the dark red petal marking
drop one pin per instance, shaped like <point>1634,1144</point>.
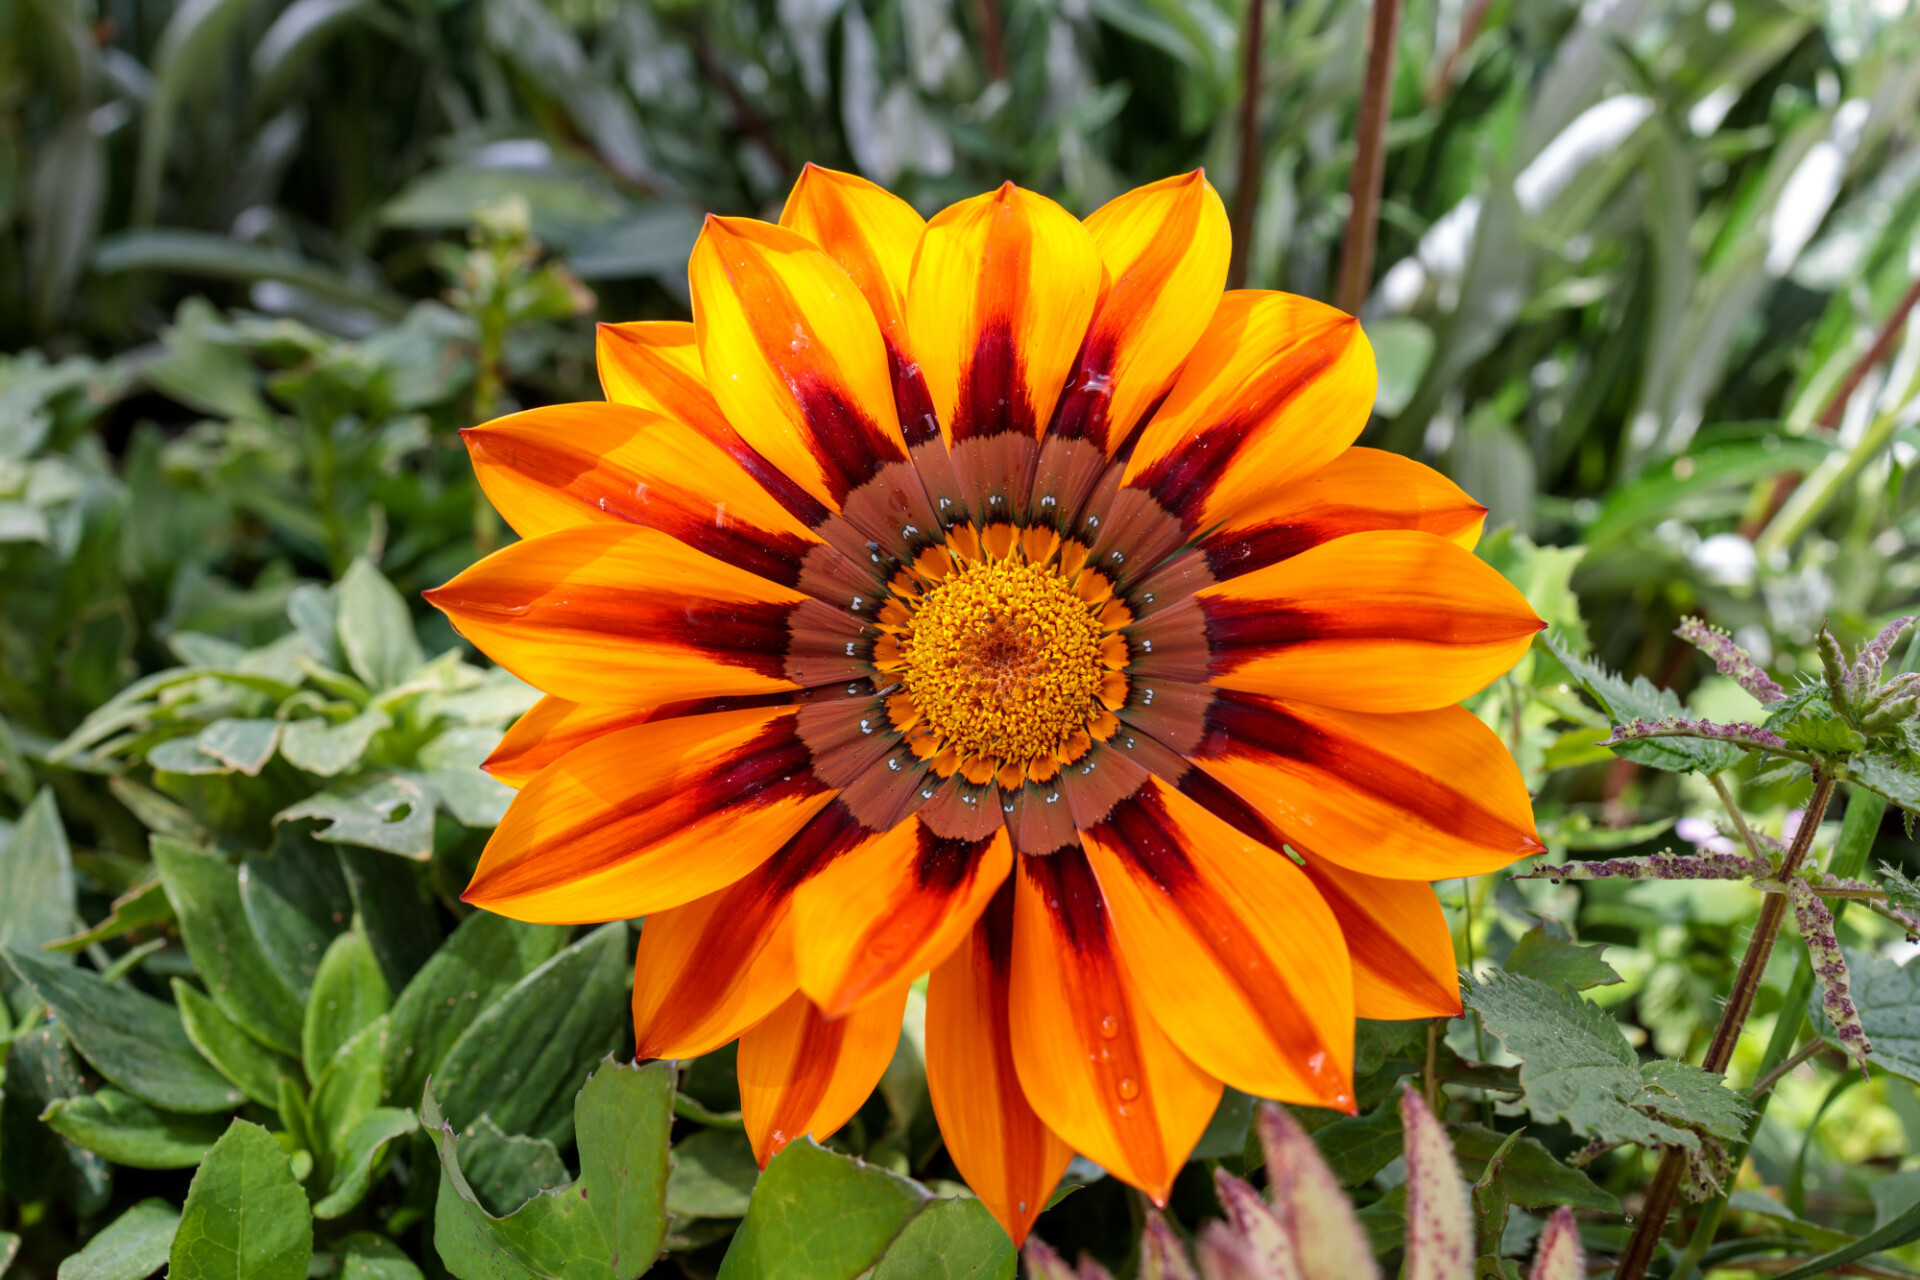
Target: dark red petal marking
<point>1067,885</point>
<point>1240,631</point>
<point>1241,724</point>
<point>1183,478</point>
<point>941,866</point>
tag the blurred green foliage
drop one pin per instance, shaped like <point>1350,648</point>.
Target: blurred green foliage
<point>261,259</point>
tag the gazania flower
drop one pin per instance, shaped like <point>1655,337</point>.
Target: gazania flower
<point>991,597</point>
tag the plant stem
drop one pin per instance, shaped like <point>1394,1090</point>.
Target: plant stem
<point>1739,819</point>
<point>1733,1019</point>
<point>1369,160</point>
<point>1470,24</point>
<point>1765,1083</point>
<point>1246,195</point>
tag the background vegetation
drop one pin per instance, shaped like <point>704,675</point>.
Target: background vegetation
<point>1641,271</point>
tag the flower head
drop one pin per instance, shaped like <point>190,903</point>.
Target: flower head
<point>991,597</point>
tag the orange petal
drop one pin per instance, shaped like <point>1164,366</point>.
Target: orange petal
<point>1165,248</point>
<point>1002,289</point>
<point>1389,621</point>
<point>1010,1159</point>
<point>1397,936</point>
<point>892,911</point>
<point>872,234</point>
<point>1095,1065</point>
<point>793,355</point>
<point>611,614</point>
<point>649,817</point>
<point>1362,489</point>
<point>1275,388</point>
<point>1425,795</point>
<point>574,464</point>
<point>655,364</point>
<point>1232,950</point>
<point>553,726</point>
<point>802,1072</point>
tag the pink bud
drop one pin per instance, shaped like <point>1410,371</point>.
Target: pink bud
<point>1262,1236</point>
<point>1559,1256</point>
<point>1043,1263</point>
<point>1439,1232</point>
<point>1328,1240</point>
<point>1225,1256</point>
<point>1162,1256</point>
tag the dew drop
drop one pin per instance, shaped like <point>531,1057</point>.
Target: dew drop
<point>854,688</point>
<point>1147,598</point>
<point>1049,501</point>
<point>1129,1088</point>
<point>893,763</point>
<point>926,793</point>
<point>854,604</point>
<point>1109,1026</point>
<point>1146,646</point>
<point>1093,522</point>
<point>866,726</point>
<point>909,531</point>
<point>1117,556</point>
<point>1146,697</point>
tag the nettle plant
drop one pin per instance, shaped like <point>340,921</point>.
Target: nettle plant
<point>1854,725</point>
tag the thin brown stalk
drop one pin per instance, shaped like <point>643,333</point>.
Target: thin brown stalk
<point>1733,1019</point>
<point>1369,160</point>
<point>1246,196</point>
<point>993,39</point>
<point>1470,23</point>
<point>745,118</point>
<point>1836,406</point>
<point>1775,1076</point>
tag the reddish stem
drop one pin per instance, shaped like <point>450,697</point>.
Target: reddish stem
<point>1470,24</point>
<point>1369,160</point>
<point>1246,195</point>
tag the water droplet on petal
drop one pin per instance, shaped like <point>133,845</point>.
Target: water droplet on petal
<point>1129,1088</point>
<point>1109,1026</point>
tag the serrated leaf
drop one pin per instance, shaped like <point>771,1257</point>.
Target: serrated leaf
<point>1357,1147</point>
<point>254,1070</point>
<point>818,1215</point>
<point>483,959</point>
<point>130,1038</point>
<point>127,1131</point>
<point>36,878</point>
<point>387,811</point>
<point>1826,734</point>
<point>518,1062</point>
<point>375,629</point>
<point>205,892</point>
<point>1553,960</point>
<point>1532,1177</point>
<point>1886,776</point>
<point>348,993</point>
<point>507,1170</point>
<point>954,1239</point>
<point>131,1247</point>
<point>246,1217</point>
<point>1576,1066</point>
<point>1887,996</point>
<point>1641,701</point>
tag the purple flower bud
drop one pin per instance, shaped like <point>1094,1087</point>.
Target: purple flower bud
<point>1327,1237</point>
<point>1260,1232</point>
<point>1043,1263</point>
<point>1830,966</point>
<point>1162,1257</point>
<point>1731,659</point>
<point>1439,1230</point>
<point>1873,657</point>
<point>1750,736</point>
<point>1666,865</point>
<point>1225,1256</point>
<point>1559,1255</point>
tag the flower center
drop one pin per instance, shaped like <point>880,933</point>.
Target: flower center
<point>1004,661</point>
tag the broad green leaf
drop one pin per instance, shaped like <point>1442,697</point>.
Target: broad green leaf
<point>485,957</point>
<point>143,905</point>
<point>204,255</point>
<point>345,1094</point>
<point>348,993</point>
<point>234,1053</point>
<point>357,1155</point>
<point>245,745</point>
<point>1357,1147</point>
<point>365,1256</point>
<point>127,1131</point>
<point>1552,959</point>
<point>1532,1177</point>
<point>130,1038</point>
<point>451,767</point>
<point>41,1069</point>
<point>205,892</point>
<point>608,1225</point>
<point>713,1175</point>
<point>1226,1133</point>
<point>949,1240</point>
<point>36,879</point>
<point>394,900</point>
<point>1576,1065</point>
<point>376,631</point>
<point>1886,776</point>
<point>1641,701</point>
<point>817,1215</point>
<point>520,1061</point>
<point>388,811</point>
<point>297,902</point>
<point>131,1247</point>
<point>507,1170</point>
<point>1887,996</point>
<point>245,1218</point>
<point>327,749</point>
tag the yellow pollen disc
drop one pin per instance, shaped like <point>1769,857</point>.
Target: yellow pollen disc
<point>1003,661</point>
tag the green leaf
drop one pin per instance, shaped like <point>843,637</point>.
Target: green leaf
<point>327,749</point>
<point>394,900</point>
<point>485,957</point>
<point>1641,701</point>
<point>1553,959</point>
<point>387,811</point>
<point>131,1247</point>
<point>1532,1177</point>
<point>205,892</point>
<point>36,878</point>
<point>127,1131</point>
<point>245,745</point>
<point>348,993</point>
<point>1892,1235</point>
<point>235,1054</point>
<point>297,902</point>
<point>1226,1133</point>
<point>1357,1147</point>
<point>218,257</point>
<point>376,631</point>
<point>1576,1065</point>
<point>246,1217</point>
<point>949,1240</point>
<point>518,1062</point>
<point>348,1127</point>
<point>608,1225</point>
<point>713,1175</point>
<point>365,1256</point>
<point>357,1154</point>
<point>817,1215</point>
<point>507,1170</point>
<point>1885,775</point>
<point>1887,996</point>
<point>40,1070</point>
<point>143,905</point>
<point>130,1038</point>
